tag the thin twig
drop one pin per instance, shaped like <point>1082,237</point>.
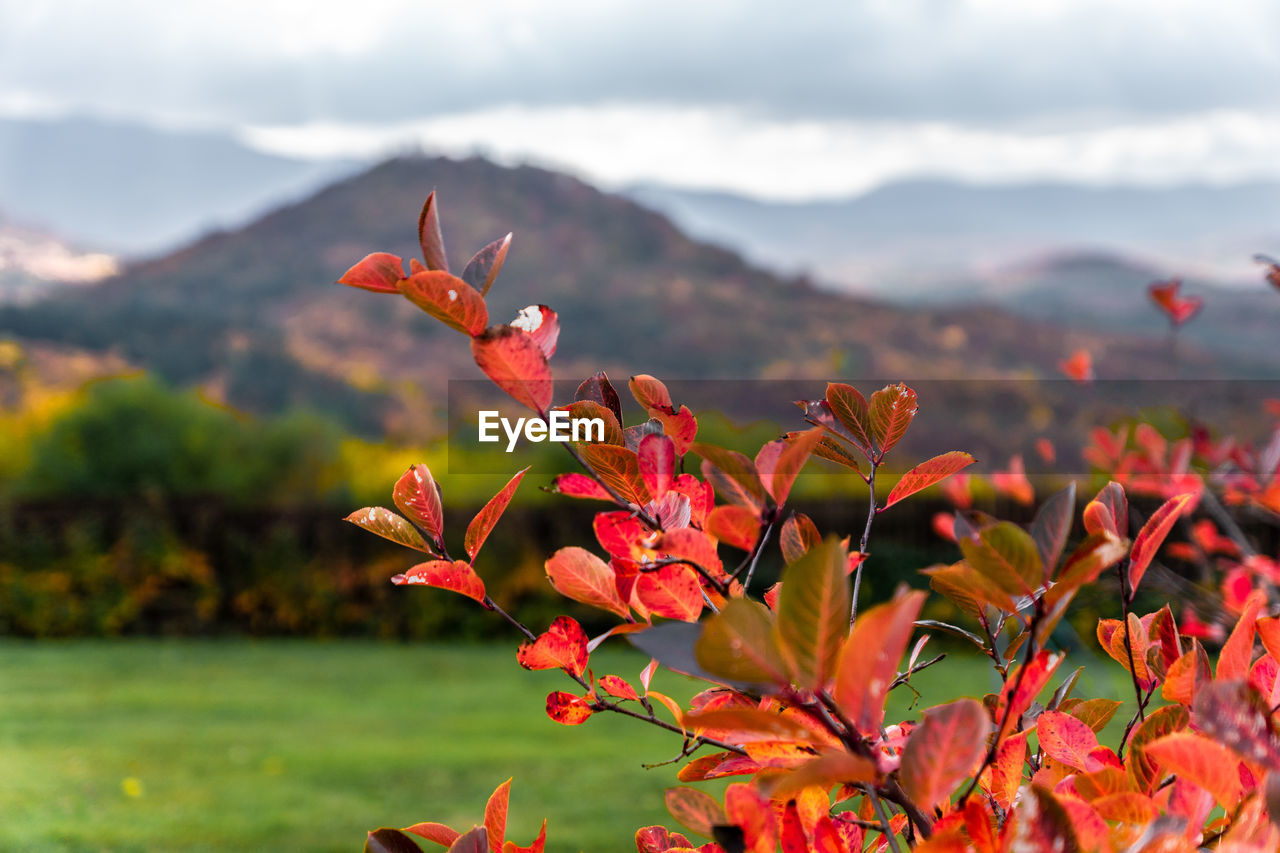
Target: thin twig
<point>862,545</point>
<point>638,510</point>
<point>755,555</point>
<point>720,586</point>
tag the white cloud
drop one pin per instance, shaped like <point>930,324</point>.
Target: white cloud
<point>778,158</point>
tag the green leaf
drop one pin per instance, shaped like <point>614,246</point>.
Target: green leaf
<point>813,613</point>
<point>1007,556</point>
<point>739,643</point>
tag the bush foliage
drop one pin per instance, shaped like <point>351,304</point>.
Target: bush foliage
<point>798,674</point>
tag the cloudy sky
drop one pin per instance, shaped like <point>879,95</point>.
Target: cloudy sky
<point>780,100</point>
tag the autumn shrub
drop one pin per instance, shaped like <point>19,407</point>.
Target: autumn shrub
<point>798,673</point>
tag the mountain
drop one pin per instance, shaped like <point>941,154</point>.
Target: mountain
<point>254,316</point>
<point>907,239</point>
<point>129,189</point>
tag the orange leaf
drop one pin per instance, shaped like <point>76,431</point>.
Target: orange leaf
<point>619,468</point>
<point>798,535</point>
<point>779,462</point>
<point>1006,771</point>
<point>735,526</point>
<point>437,832</point>
<point>1067,739</point>
<point>378,272</point>
<point>516,364</point>
<point>1021,690</point>
<point>567,709</point>
<point>1178,309</point>
<point>1079,367</point>
<point>695,809</point>
<point>944,749</point>
<point>563,645</point>
<point>657,462</point>
<point>688,544</point>
<point>744,724</point>
<point>456,577</point>
<point>657,839</point>
<point>1237,651</point>
<point>1109,510</point>
<point>429,236</point>
<point>1186,675</point>
<point>869,660</point>
<point>578,574</point>
<point>1204,762</point>
<point>480,527</point>
<point>385,523</point>
<point>418,497</point>
<point>495,816</point>
<point>824,771</point>
<point>447,298</point>
<point>672,592</point>
<point>651,394</point>
<point>752,813</point>
<point>927,473</point>
<point>1152,535</point>
<point>892,409</point>
<point>484,266</point>
<point>1043,823</point>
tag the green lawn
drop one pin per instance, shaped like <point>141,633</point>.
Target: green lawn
<point>240,745</point>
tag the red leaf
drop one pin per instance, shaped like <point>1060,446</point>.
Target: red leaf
<point>701,497</point>
<point>1021,690</point>
<point>621,534</point>
<point>736,526</point>
<point>579,486</point>
<point>892,409</point>
<point>1079,367</point>
<point>689,544</point>
<point>429,236</point>
<point>515,363</point>
<point>849,408</point>
<point>584,577</point>
<point>378,272</point>
<point>869,661</point>
<point>619,468</point>
<point>385,523</point>
<point>657,460</point>
<point>1014,482</point>
<point>672,592</point>
<point>1006,772</point>
<point>567,709</point>
<point>480,527</point>
<point>944,749</point>
<point>617,686</point>
<point>542,324</point>
<point>1205,763</point>
<point>456,577</point>
<point>495,816</point>
<point>1152,535</point>
<point>563,645</point>
<point>751,812</point>
<point>1165,295</point>
<point>1043,823</point>
<point>447,298</point>
<point>798,535</point>
<point>1066,739</point>
<point>598,389</point>
<point>927,473</point>
<point>657,839</point>
<point>483,268</point>
<point>779,462</point>
<point>418,497</point>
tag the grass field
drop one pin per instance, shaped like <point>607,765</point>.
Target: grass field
<point>240,745</point>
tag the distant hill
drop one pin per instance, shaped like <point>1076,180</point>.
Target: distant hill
<point>127,189</point>
<point>254,314</point>
<point>33,264</point>
<point>903,239</point>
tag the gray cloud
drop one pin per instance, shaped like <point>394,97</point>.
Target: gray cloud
<point>984,63</point>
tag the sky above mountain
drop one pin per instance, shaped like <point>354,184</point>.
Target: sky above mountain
<point>824,99</point>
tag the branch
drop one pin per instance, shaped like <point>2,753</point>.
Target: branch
<point>1126,598</point>
<point>866,536</point>
<point>720,586</point>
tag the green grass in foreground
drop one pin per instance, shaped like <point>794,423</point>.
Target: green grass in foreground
<point>239,745</point>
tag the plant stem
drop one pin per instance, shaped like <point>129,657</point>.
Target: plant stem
<point>756,551</point>
<point>1126,594</point>
<point>617,498</point>
<point>866,537</point>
